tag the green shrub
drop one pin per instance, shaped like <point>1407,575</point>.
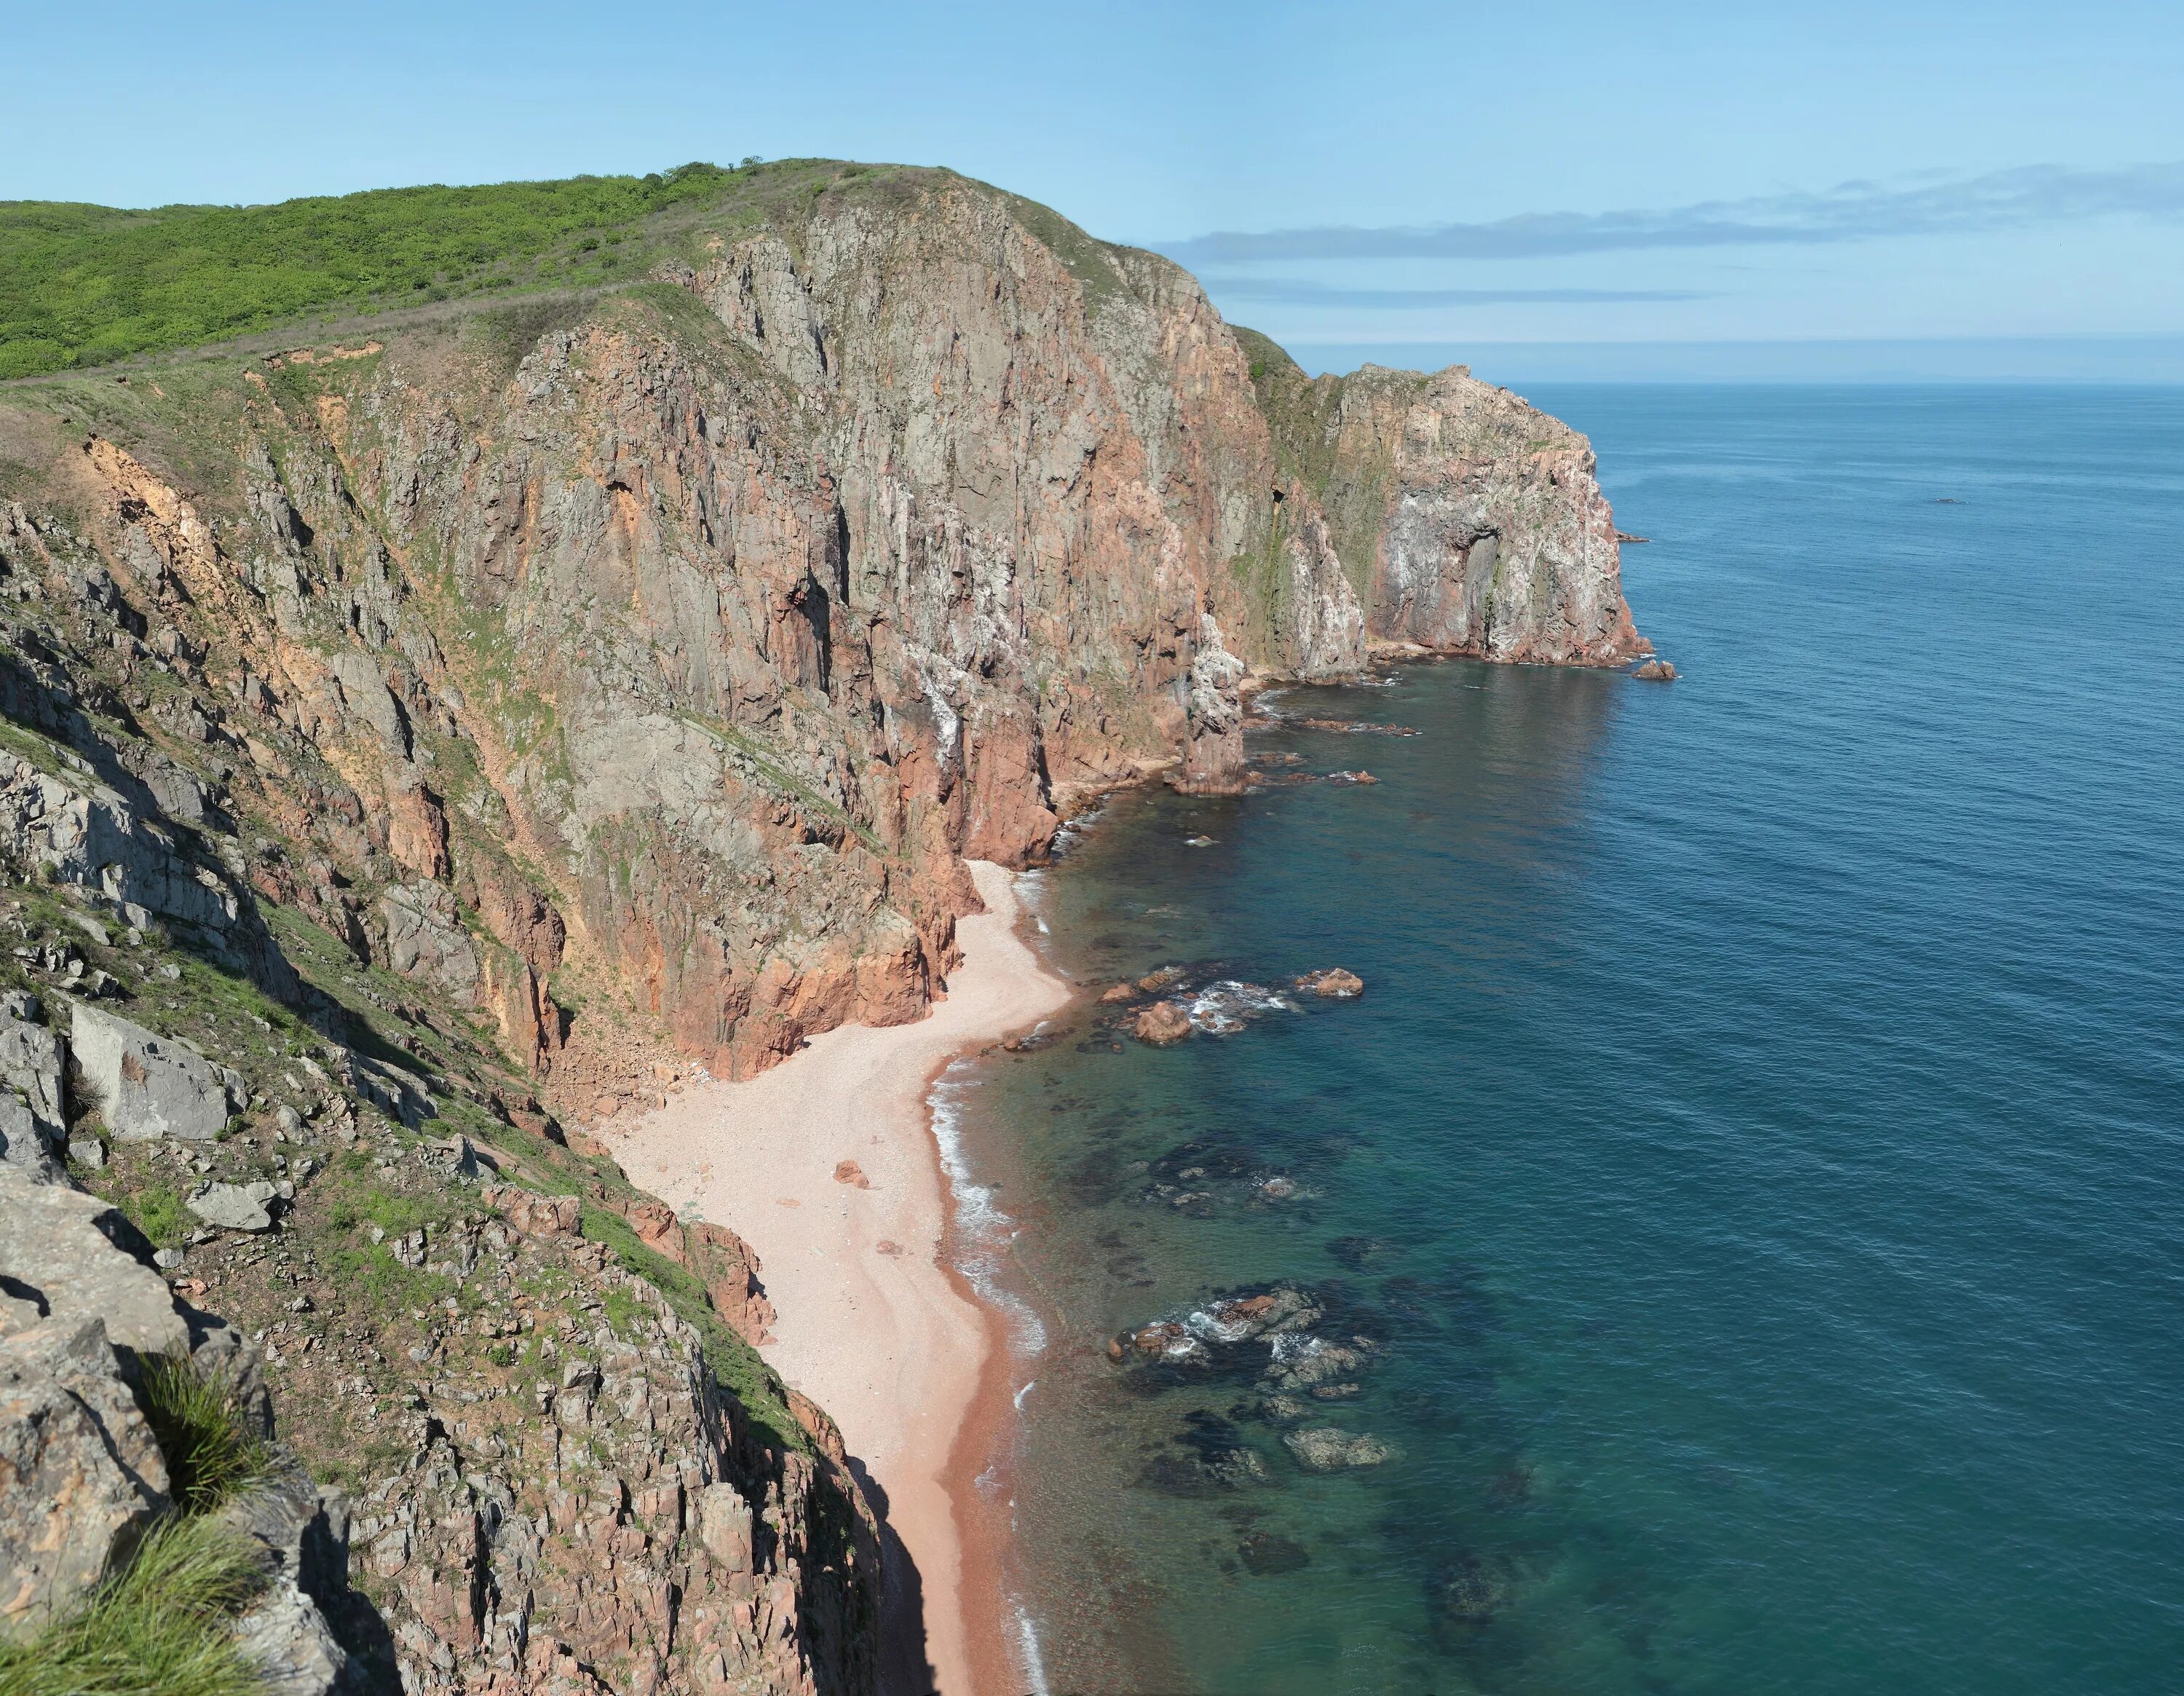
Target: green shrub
<point>157,1210</point>
<point>212,1452</point>
<point>161,1624</point>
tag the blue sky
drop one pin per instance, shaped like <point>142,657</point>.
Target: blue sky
<point>1343,177</point>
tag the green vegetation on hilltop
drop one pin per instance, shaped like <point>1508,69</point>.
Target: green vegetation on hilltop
<point>85,284</point>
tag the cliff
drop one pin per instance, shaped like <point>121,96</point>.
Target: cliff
<point>687,635</point>
<point>424,730</point>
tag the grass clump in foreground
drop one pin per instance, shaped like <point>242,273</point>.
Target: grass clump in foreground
<point>163,1623</point>
<point>212,1454</point>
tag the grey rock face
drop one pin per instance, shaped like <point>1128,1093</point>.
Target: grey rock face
<point>23,1145</point>
<point>57,1250</point>
<point>286,1637</point>
<point>425,939</point>
<point>31,1066</point>
<point>81,1477</point>
<point>85,835</point>
<point>234,1207</point>
<point>146,1085</point>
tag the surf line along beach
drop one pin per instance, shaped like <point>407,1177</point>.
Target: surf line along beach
<point>873,1322</point>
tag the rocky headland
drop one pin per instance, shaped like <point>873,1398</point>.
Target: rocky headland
<point>426,743</point>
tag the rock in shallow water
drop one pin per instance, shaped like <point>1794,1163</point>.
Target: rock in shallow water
<point>1323,1448</point>
<point>1334,982</point>
<point>1163,1023</point>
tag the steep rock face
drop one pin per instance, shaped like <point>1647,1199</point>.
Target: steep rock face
<point>1470,522</point>
<point>686,639</point>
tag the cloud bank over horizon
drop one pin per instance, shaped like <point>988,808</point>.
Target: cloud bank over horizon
<point>1935,204</point>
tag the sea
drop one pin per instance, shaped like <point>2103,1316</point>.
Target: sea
<point>1739,1226</point>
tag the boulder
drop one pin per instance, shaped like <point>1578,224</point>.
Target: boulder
<point>1323,1448</point>
<point>730,1270</point>
<point>61,1250</point>
<point>148,1085</point>
<point>235,1207</point>
<point>534,1214</point>
<point>81,1475</point>
<point>286,1640</point>
<point>1120,992</point>
<point>1161,1024</point>
<point>1656,671</point>
<point>1334,982</point>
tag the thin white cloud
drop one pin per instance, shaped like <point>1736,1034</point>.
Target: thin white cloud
<point>1849,212</point>
<point>1285,291</point>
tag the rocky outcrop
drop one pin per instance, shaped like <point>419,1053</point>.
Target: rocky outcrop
<point>83,1477</point>
<point>1469,521</point>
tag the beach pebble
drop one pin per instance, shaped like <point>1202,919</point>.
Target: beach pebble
<point>849,1171</point>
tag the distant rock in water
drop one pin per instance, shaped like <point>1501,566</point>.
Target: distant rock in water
<point>1120,992</point>
<point>1333,982</point>
<point>1656,671</point>
<point>1161,1024</point>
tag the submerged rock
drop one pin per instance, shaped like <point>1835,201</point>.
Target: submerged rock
<point>1475,1590</point>
<point>1263,1553</point>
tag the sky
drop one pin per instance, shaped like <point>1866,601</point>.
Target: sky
<point>1634,180</point>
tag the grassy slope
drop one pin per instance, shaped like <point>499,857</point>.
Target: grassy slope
<point>86,285</point>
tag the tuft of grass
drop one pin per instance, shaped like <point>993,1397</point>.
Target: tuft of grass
<point>212,1453</point>
<point>163,1623</point>
<point>157,1210</point>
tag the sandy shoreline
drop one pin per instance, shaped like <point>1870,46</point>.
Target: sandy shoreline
<point>874,1324</point>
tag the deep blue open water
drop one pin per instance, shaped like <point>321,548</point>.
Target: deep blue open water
<point>1757,1163</point>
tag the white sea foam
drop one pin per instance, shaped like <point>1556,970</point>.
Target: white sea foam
<point>984,1231</point>
<point>1034,1664</point>
<point>1018,1398</point>
<point>1223,1008</point>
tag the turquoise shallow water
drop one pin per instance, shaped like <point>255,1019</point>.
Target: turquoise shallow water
<point>1756,1160</point>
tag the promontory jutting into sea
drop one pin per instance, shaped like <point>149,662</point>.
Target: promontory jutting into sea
<point>774,931</point>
